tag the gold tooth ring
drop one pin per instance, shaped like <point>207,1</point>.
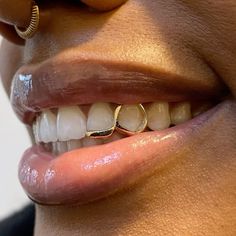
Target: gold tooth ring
<point>30,31</point>
<point>141,128</point>
<point>99,134</point>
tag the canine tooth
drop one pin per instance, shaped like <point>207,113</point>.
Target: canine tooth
<point>158,116</point>
<point>100,117</point>
<point>88,142</point>
<point>180,112</point>
<point>47,127</point>
<point>131,117</point>
<point>74,144</point>
<point>61,147</point>
<point>71,123</point>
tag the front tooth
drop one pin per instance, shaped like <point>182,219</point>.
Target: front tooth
<point>47,127</point>
<point>131,117</point>
<point>74,144</point>
<point>88,142</point>
<point>158,116</point>
<point>71,123</point>
<point>180,113</point>
<point>100,117</point>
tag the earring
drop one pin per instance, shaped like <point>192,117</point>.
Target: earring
<point>30,31</point>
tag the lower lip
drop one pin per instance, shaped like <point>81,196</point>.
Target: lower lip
<point>88,174</point>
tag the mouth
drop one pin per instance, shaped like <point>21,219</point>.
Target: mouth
<point>100,127</point>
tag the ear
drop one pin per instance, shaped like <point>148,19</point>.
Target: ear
<point>8,32</point>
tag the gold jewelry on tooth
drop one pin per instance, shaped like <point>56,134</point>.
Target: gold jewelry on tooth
<point>100,134</point>
<point>30,31</point>
<point>141,128</point>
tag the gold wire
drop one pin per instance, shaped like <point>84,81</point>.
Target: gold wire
<point>99,134</point>
<point>142,127</point>
<point>30,31</point>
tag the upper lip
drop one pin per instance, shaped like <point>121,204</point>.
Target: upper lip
<point>73,80</point>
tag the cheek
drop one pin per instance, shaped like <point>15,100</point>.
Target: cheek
<point>10,60</point>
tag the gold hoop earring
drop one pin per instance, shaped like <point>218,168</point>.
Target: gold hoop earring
<point>30,31</point>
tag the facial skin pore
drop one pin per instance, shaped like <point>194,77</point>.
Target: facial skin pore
<point>194,194</point>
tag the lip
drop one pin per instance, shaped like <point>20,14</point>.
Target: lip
<point>89,174</point>
<point>69,79</point>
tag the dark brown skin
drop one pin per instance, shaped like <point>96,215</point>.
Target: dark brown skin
<point>15,12</point>
<point>104,5</point>
<point>196,195</point>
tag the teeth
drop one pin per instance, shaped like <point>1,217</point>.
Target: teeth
<point>88,142</point>
<point>47,127</point>
<point>100,117</point>
<point>131,117</point>
<point>180,113</point>
<point>54,148</point>
<point>61,147</point>
<point>36,130</point>
<point>197,110</point>
<point>158,116</point>
<point>71,123</point>
<point>74,144</point>
<point>69,129</point>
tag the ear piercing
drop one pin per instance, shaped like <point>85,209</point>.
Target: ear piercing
<point>30,31</point>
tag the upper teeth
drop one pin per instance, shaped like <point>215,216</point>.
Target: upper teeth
<point>158,116</point>
<point>180,112</point>
<point>70,123</point>
<point>100,117</point>
<point>132,119</point>
<point>48,127</point>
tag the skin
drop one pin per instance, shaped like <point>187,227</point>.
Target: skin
<point>194,195</point>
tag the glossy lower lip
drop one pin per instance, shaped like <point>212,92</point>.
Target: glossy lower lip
<point>88,174</point>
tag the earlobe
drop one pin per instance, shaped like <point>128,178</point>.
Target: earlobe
<point>103,5</point>
<point>8,32</point>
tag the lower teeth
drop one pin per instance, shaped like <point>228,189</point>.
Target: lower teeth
<point>61,147</point>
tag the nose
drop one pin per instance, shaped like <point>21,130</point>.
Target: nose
<point>103,5</point>
<point>15,12</point>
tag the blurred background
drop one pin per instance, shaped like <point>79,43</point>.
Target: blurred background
<point>14,141</point>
